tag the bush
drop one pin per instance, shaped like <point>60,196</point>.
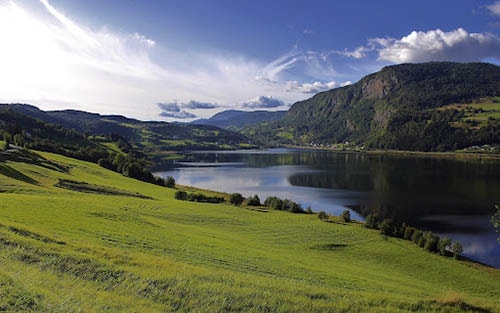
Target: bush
<point>456,249</point>
<point>371,221</point>
<point>274,203</point>
<point>236,198</point>
<point>169,182</point>
<point>346,216</point>
<point>443,245</point>
<point>181,195</point>
<point>323,216</point>
<point>408,232</point>
<point>386,227</point>
<point>431,242</point>
<point>253,201</point>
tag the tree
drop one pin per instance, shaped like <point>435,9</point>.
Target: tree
<point>408,232</point>
<point>322,215</point>
<point>386,227</point>
<point>180,195</point>
<point>273,202</point>
<point>431,242</point>
<point>371,221</point>
<point>253,201</point>
<point>236,198</point>
<point>456,249</point>
<point>19,140</point>
<point>346,216</point>
<point>443,245</point>
<point>169,182</point>
<point>495,220</point>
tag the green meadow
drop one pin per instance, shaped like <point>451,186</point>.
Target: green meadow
<point>75,237</point>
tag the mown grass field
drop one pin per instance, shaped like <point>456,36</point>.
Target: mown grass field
<point>134,248</point>
<point>476,115</point>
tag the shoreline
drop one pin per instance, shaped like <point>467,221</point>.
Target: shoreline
<point>447,155</point>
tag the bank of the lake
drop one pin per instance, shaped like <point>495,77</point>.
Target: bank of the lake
<point>451,196</point>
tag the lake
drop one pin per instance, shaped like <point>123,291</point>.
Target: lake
<point>451,197</point>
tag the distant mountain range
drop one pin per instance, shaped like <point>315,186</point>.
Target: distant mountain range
<point>437,106</point>
<point>237,120</point>
<point>149,136</point>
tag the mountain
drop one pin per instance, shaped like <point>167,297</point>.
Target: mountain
<point>149,136</point>
<point>426,107</point>
<point>236,120</point>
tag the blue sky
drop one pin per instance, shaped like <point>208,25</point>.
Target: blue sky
<point>182,60</point>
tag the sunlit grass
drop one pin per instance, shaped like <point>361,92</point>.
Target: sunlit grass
<point>64,250</point>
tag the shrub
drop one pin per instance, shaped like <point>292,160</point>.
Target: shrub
<point>443,245</point>
<point>236,198</point>
<point>456,249</point>
<point>417,234</point>
<point>386,227</point>
<point>431,242</point>
<point>180,195</point>
<point>253,201</point>
<point>371,221</point>
<point>322,215</point>
<point>346,216</point>
<point>408,232</point>
<point>274,203</point>
<point>169,182</point>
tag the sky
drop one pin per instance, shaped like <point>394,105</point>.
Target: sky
<point>176,60</point>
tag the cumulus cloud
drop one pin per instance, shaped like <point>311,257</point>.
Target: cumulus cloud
<point>294,86</point>
<point>173,110</point>
<point>194,105</point>
<point>494,8</point>
<point>437,45</point>
<point>262,102</point>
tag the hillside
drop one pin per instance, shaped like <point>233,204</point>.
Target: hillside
<point>111,244</point>
<point>150,137</point>
<point>438,106</point>
<point>236,120</point>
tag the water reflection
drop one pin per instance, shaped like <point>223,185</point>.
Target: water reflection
<point>447,196</point>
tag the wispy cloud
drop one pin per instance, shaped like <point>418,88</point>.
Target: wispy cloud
<point>50,60</point>
<point>437,45</point>
<point>494,8</point>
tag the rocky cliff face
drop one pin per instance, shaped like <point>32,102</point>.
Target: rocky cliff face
<point>363,110</point>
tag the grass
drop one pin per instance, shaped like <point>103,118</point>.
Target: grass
<point>63,250</point>
<point>478,114</point>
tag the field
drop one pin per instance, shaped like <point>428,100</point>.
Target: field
<point>75,237</point>
<point>478,114</point>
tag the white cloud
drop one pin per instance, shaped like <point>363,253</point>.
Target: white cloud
<point>437,45</point>
<point>494,8</point>
<point>50,60</point>
<point>262,102</point>
<point>141,38</point>
<point>358,53</point>
<point>294,86</point>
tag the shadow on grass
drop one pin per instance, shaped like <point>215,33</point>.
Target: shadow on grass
<point>15,174</point>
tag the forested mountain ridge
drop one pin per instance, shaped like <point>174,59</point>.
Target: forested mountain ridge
<point>427,107</point>
<point>149,136</point>
<point>236,120</point>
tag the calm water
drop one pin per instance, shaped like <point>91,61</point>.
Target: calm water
<point>452,198</point>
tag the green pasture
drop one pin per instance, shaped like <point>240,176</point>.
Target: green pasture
<point>101,242</point>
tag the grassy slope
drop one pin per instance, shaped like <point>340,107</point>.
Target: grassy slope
<point>68,251</point>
